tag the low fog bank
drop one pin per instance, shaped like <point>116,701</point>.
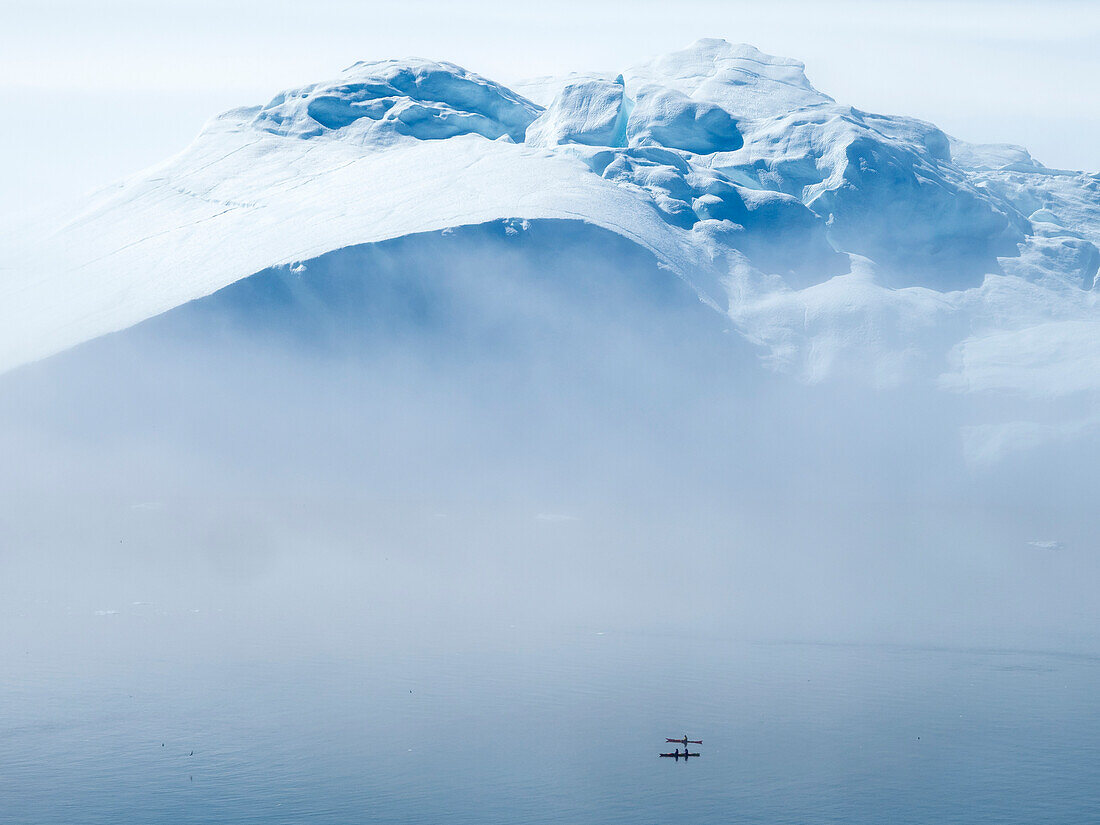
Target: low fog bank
<point>509,426</point>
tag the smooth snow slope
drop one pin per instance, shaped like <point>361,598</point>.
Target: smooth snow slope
<point>841,242</point>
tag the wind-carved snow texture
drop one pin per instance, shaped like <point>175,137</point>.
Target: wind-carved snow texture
<point>427,100</point>
<point>840,242</point>
<point>590,112</point>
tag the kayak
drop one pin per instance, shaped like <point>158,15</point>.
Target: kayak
<point>677,754</point>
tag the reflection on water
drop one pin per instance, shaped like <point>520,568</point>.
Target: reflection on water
<point>500,728</point>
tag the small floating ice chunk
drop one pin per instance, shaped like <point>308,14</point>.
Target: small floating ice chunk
<point>1047,544</point>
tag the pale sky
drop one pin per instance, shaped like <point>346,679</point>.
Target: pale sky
<point>92,91</point>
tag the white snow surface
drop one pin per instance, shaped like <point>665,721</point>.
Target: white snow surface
<point>841,242</point>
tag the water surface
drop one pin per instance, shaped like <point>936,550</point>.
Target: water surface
<point>531,725</point>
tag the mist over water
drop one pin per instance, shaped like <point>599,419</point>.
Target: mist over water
<point>444,464</point>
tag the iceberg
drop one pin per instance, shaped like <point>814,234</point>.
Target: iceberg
<point>836,242</point>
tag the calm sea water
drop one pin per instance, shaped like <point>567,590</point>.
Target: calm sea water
<point>550,727</point>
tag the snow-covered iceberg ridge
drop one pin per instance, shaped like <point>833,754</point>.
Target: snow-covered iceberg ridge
<point>839,241</point>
